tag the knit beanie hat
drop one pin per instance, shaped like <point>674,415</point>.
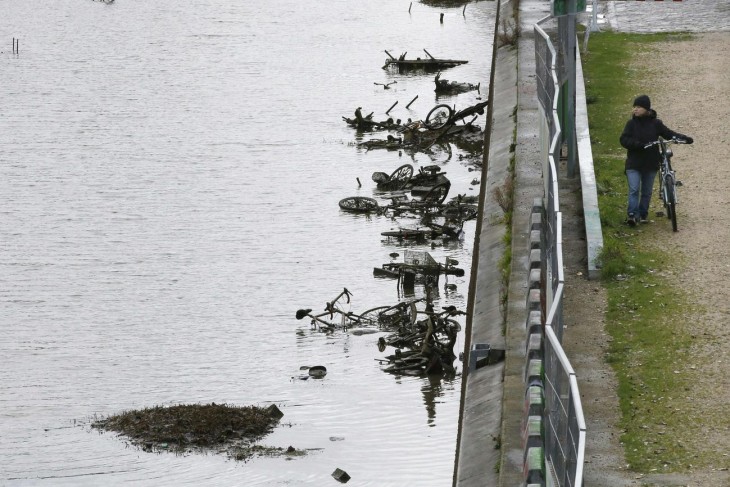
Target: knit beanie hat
<point>642,101</point>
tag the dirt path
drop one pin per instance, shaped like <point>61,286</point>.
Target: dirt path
<point>689,84</point>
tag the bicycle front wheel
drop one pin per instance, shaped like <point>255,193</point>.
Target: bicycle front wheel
<point>359,204</point>
<point>671,202</point>
<point>670,199</point>
<point>439,116</point>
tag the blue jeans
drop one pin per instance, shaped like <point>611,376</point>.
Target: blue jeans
<point>640,186</point>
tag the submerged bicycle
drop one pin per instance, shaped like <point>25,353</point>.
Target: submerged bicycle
<point>442,115</point>
<point>335,315</point>
<point>668,182</point>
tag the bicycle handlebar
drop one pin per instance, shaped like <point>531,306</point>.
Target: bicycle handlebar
<point>665,141</point>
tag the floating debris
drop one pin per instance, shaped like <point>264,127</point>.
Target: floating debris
<point>317,371</point>
<point>428,64</point>
<point>418,264</point>
<point>446,87</point>
<point>361,122</point>
<point>195,427</point>
<point>341,476</point>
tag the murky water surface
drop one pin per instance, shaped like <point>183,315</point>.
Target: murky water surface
<point>169,179</point>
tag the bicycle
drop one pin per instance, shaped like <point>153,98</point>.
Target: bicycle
<point>429,188</point>
<point>424,346</point>
<point>442,115</point>
<point>668,182</point>
<point>429,231</point>
<point>380,316</point>
<point>429,200</point>
<point>332,308</point>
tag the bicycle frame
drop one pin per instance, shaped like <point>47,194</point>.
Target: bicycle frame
<point>667,179</point>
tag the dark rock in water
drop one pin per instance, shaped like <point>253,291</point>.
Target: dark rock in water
<point>341,476</point>
<point>318,371</point>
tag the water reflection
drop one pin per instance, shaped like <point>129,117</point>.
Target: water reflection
<point>432,390</point>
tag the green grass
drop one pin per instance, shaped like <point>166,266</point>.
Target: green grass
<point>649,349</point>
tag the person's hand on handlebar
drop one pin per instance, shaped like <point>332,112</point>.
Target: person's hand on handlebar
<point>685,139</point>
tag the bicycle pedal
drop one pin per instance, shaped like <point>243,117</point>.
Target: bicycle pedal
<point>678,183</point>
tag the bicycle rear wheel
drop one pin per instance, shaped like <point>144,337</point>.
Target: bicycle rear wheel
<point>439,116</point>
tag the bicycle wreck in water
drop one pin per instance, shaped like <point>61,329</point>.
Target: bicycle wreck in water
<point>428,190</point>
<point>418,266</point>
<point>446,87</point>
<point>441,123</point>
<point>427,64</point>
<point>423,339</point>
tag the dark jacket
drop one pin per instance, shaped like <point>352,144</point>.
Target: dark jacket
<point>640,131</point>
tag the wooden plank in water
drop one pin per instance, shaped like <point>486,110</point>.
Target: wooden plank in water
<point>430,63</point>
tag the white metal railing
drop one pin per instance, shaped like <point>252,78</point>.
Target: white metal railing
<point>565,430</point>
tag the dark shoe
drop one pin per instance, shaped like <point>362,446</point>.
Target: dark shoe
<point>631,221</point>
<point>644,219</point>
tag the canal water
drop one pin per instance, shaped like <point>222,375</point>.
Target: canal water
<point>169,180</point>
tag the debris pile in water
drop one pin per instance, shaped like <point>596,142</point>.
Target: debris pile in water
<point>183,428</point>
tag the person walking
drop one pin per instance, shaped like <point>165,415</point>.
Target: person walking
<point>642,163</point>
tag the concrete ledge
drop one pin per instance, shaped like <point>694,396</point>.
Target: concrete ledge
<point>483,399</point>
<point>592,216</point>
